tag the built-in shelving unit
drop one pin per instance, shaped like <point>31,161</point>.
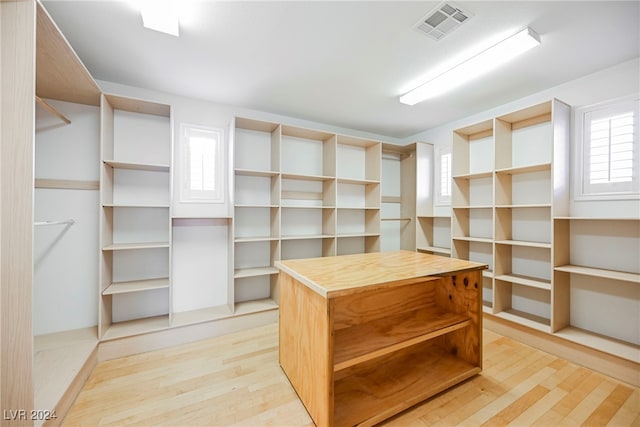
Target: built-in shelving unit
<point>299,193</point>
<point>510,209</point>
<point>135,221</point>
<point>612,273</point>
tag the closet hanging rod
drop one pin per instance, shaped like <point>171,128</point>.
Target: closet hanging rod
<point>52,110</point>
<point>66,221</point>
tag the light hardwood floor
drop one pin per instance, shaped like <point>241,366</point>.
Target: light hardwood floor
<point>236,380</point>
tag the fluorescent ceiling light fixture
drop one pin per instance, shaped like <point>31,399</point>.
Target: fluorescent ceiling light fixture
<point>475,66</point>
<point>160,16</point>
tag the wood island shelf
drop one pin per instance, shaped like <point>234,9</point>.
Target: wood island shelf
<point>365,336</point>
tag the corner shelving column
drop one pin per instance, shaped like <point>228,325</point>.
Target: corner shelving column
<point>308,193</point>
<point>472,200</point>
<point>358,195</point>
<point>135,237</point>
<point>257,215</point>
<point>531,147</point>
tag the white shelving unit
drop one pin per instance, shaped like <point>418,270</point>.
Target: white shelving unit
<point>299,193</point>
<point>510,177</point>
<point>135,219</point>
<point>588,282</point>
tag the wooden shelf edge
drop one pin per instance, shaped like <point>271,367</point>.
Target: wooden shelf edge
<point>149,167</point>
<point>533,322</point>
<point>241,273</point>
<point>525,281</point>
<point>434,249</point>
<point>524,169</point>
<point>524,244</point>
<point>66,184</point>
<point>608,345</point>
<point>131,246</point>
<point>255,172</point>
<point>370,355</point>
<point>600,272</point>
<point>136,286</point>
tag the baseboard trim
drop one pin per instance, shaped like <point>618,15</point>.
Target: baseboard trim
<point>621,369</point>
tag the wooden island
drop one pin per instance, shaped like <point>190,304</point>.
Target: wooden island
<point>363,337</point>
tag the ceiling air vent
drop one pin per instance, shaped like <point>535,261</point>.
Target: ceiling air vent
<point>442,20</point>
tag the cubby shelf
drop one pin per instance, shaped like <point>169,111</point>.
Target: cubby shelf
<point>434,249</point>
<point>600,272</point>
<point>254,271</point>
<point>258,173</point>
<point>525,281</point>
<point>137,166</point>
<point>524,243</point>
<point>136,286</point>
<point>137,245</point>
<point>409,329</point>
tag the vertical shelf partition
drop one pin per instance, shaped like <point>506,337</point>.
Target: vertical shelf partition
<point>135,237</point>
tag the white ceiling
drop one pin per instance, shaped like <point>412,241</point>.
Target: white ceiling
<point>344,63</point>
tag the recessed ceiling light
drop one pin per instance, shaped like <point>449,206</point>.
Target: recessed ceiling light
<point>474,66</point>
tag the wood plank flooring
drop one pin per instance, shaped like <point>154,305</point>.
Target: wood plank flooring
<point>236,380</point>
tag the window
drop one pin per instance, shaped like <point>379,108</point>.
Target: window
<point>202,164</point>
<point>610,150</point>
<point>443,172</point>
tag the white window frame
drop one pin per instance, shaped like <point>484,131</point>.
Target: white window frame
<point>440,198</point>
<point>187,193</point>
<point>583,190</point>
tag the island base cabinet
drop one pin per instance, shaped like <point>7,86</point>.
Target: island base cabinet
<point>359,358</point>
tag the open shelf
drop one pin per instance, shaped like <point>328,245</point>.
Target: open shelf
<point>609,345</point>
<point>599,272</point>
<point>524,169</point>
<point>525,281</point>
<point>131,246</point>
<point>434,249</point>
<point>524,243</point>
<point>255,271</point>
<point>370,386</point>
<point>136,286</point>
<point>527,319</point>
<point>408,329</point>
<point>137,166</point>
